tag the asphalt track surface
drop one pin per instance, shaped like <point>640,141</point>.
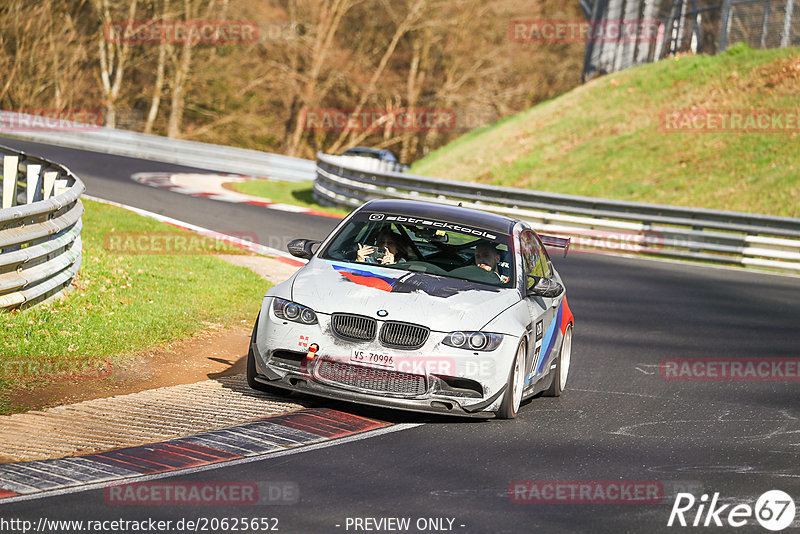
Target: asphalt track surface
<point>619,420</point>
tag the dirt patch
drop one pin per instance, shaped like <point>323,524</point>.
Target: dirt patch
<point>213,353</point>
<point>781,75</point>
<point>229,187</point>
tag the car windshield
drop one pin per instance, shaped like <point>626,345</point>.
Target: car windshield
<point>441,248</point>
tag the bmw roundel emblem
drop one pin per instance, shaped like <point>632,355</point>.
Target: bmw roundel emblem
<point>382,313</point>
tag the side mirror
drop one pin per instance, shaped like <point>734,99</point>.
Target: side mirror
<point>545,287</point>
<point>302,248</point>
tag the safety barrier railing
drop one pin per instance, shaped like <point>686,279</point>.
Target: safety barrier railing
<point>595,225</point>
<point>157,148</point>
<point>40,229</point>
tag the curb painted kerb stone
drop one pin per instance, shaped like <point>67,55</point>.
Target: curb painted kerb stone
<point>287,431</point>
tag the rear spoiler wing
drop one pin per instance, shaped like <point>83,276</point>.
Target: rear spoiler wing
<point>557,242</point>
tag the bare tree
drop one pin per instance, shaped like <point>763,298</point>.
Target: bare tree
<point>42,54</point>
<point>113,58</point>
<point>329,18</point>
<point>414,83</point>
<point>411,18</point>
<point>342,54</point>
<point>180,77</point>
<point>158,85</point>
<point>182,68</point>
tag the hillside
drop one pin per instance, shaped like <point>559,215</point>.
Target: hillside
<point>608,138</point>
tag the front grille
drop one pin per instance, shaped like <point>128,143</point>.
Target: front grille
<point>403,335</point>
<point>353,327</point>
<point>372,379</point>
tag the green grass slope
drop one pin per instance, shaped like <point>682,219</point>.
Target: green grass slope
<point>606,138</point>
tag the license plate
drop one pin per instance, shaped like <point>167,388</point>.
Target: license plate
<point>373,359</point>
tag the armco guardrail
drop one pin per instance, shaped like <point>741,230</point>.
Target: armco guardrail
<point>40,229</point>
<point>594,224</point>
<point>157,148</point>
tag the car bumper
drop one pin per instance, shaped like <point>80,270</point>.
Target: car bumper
<point>435,379</point>
<point>306,382</point>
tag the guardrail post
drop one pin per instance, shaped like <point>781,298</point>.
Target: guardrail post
<point>49,184</point>
<point>61,186</point>
<point>10,166</point>
<point>33,183</point>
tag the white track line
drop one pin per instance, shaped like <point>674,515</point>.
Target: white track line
<point>249,245</point>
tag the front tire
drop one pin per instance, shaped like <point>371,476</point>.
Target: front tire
<point>516,382</point>
<point>562,366</point>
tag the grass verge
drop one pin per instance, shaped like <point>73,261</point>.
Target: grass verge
<point>295,193</point>
<point>607,139</point>
<point>124,301</point>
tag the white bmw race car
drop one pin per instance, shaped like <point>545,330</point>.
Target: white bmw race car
<point>422,307</point>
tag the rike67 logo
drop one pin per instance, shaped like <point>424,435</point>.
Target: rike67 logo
<point>774,510</point>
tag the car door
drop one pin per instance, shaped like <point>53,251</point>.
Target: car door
<point>543,311</point>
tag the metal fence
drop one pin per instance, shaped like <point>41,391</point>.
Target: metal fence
<point>596,225</point>
<point>672,26</point>
<point>40,229</point>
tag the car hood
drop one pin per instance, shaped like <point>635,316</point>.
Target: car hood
<point>442,304</point>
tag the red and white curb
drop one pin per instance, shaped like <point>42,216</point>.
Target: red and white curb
<point>210,186</point>
<point>274,436</point>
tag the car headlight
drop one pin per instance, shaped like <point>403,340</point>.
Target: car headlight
<point>473,340</point>
<point>292,311</point>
